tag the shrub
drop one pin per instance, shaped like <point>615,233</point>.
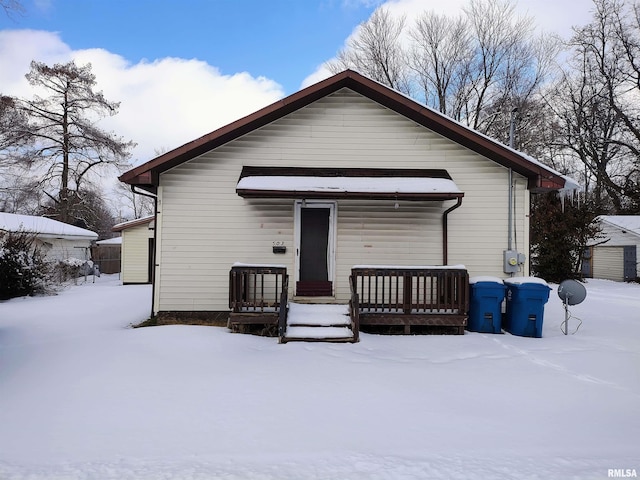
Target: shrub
<point>23,270</point>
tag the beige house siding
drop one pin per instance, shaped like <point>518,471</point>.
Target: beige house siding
<point>204,226</point>
<point>135,254</point>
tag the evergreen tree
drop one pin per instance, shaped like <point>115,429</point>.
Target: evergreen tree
<point>560,232</point>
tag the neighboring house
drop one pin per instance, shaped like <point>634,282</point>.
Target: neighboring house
<point>345,172</point>
<point>616,255</point>
<point>56,240</point>
<point>106,254</point>
<point>136,250</point>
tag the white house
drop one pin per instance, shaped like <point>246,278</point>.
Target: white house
<point>615,256</point>
<point>56,240</point>
<point>345,172</point>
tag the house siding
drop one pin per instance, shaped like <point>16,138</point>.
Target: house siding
<point>135,254</point>
<point>204,226</point>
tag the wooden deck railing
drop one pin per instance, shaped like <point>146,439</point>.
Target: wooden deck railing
<point>282,314</point>
<point>256,288</point>
<point>354,313</point>
<point>435,296</point>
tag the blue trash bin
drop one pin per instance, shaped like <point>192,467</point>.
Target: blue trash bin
<point>485,304</point>
<point>526,298</point>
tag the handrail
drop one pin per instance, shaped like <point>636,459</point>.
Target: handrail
<point>407,290</point>
<point>282,314</point>
<point>256,288</point>
<point>354,312</point>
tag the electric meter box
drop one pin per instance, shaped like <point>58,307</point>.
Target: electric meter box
<point>511,261</point>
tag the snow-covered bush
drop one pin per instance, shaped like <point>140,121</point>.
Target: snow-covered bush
<point>23,270</point>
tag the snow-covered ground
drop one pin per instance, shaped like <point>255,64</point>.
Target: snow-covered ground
<point>83,396</point>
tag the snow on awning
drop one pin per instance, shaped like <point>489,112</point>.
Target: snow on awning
<point>372,184</point>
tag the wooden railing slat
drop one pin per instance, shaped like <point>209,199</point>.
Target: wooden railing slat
<point>429,290</point>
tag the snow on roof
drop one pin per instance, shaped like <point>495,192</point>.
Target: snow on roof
<point>412,267</point>
<point>132,223</point>
<point>43,227</point>
<point>630,223</point>
<point>258,265</point>
<point>348,184</point>
<point>110,241</point>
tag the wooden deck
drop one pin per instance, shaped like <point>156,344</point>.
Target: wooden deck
<point>410,297</point>
<point>383,298</point>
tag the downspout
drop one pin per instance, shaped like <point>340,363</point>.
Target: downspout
<point>155,240</point>
<point>445,232</point>
<point>512,134</point>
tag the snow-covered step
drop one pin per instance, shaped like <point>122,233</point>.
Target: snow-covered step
<point>318,333</point>
<point>318,314</point>
<point>318,323</point>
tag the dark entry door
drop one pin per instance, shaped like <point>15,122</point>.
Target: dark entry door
<point>314,245</point>
<point>630,262</point>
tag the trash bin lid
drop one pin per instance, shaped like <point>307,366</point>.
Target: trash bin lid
<point>485,278</point>
<point>520,280</point>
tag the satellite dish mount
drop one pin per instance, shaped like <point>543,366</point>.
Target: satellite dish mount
<point>570,292</point>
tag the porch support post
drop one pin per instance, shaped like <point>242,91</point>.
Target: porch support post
<point>445,232</point>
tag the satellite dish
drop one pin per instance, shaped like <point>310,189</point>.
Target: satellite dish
<point>572,292</point>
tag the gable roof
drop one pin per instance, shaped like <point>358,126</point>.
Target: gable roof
<point>43,227</point>
<point>540,177</point>
<point>133,223</point>
<point>627,223</point>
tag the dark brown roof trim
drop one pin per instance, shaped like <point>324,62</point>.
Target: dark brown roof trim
<point>540,178</point>
<point>250,171</point>
<point>411,197</point>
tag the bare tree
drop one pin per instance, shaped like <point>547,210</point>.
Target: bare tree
<point>440,58</point>
<point>67,145</point>
<point>509,63</point>
<point>376,51</point>
<point>470,67</point>
<point>11,6</point>
<point>597,104</point>
<point>134,204</point>
<point>13,122</point>
<point>19,194</point>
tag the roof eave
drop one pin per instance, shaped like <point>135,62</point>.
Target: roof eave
<point>300,195</point>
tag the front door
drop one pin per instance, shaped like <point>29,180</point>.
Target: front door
<point>315,248</point>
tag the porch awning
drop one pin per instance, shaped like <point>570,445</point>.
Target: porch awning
<point>360,183</point>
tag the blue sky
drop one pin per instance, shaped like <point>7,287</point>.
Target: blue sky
<point>183,68</point>
<point>284,40</point>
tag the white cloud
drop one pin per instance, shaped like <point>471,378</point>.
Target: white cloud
<point>164,103</point>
